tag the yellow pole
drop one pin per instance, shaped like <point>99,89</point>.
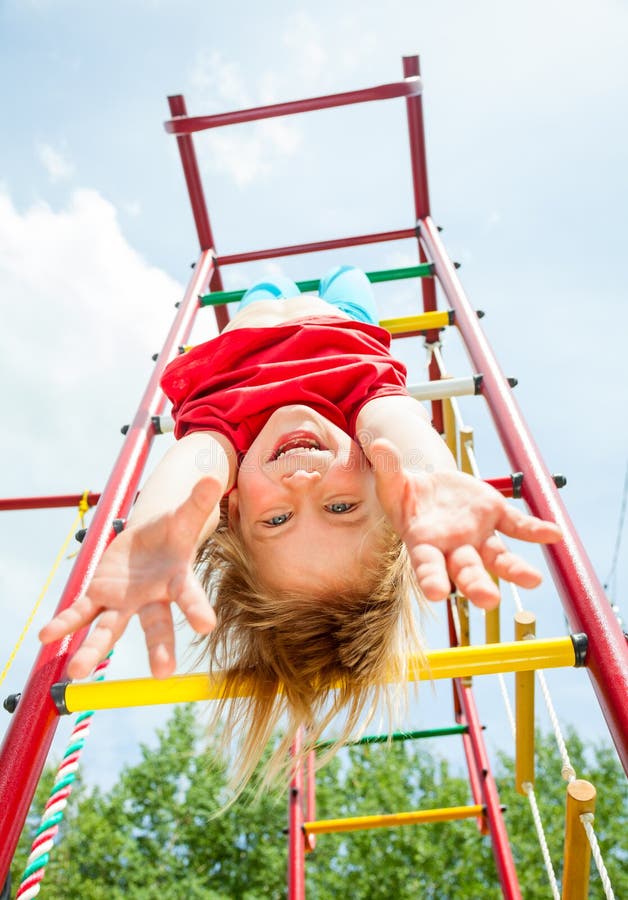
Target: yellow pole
<point>449,424</point>
<point>525,628</point>
<point>452,662</point>
<point>421,322</point>
<point>462,604</point>
<point>492,628</point>
<point>577,858</point>
<point>362,823</point>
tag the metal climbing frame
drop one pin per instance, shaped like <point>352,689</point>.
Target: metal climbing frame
<point>34,723</point>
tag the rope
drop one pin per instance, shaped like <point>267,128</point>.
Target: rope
<point>587,824</point>
<point>54,809</point>
<point>568,773</point>
<point>610,578</point>
<point>79,520</point>
<point>540,833</point>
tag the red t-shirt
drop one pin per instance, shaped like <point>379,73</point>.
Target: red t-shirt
<point>233,383</point>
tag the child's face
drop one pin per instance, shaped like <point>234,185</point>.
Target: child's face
<point>306,504</point>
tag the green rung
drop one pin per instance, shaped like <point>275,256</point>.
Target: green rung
<point>422,271</point>
<point>397,736</point>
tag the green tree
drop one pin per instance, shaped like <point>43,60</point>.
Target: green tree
<point>155,834</point>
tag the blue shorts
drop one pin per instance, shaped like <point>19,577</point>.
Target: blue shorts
<point>346,287</point>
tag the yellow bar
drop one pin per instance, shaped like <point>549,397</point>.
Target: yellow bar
<point>362,823</point>
<point>452,662</point>
<point>525,628</point>
<point>577,859</point>
<point>422,322</point>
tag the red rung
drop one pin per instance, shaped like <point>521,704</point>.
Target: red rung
<point>316,246</point>
<point>188,124</point>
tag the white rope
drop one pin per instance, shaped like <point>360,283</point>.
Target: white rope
<point>587,823</point>
<point>507,704</point>
<point>568,773</point>
<point>540,833</point>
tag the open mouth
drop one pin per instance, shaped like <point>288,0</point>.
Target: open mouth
<point>290,445</point>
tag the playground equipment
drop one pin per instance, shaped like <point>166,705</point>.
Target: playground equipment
<point>596,640</point>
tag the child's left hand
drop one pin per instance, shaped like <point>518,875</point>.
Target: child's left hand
<point>448,521</point>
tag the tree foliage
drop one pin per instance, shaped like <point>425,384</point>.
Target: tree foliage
<point>156,835</point>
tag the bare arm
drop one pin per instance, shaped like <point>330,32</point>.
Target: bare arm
<point>203,454</point>
<point>448,520</point>
<point>404,422</point>
<point>148,566</point>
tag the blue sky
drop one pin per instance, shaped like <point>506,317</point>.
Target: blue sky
<point>527,147</point>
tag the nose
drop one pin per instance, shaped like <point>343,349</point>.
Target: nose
<point>301,479</point>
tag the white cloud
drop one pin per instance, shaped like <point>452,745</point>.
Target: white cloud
<point>302,35</point>
<point>249,152</point>
<point>55,163</point>
<point>83,312</point>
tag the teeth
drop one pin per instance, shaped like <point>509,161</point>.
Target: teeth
<point>294,450</point>
<point>299,446</point>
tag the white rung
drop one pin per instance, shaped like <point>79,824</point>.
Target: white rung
<point>446,387</point>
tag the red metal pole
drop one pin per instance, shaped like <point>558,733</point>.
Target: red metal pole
<point>55,501</point>
<point>582,595</point>
<point>296,839</point>
<point>472,767</point>
<point>187,125</point>
<point>316,246</point>
<point>499,836</point>
<point>197,200</point>
<point>418,162</point>
<point>34,723</point>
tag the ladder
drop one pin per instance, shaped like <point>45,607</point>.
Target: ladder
<point>597,640</point>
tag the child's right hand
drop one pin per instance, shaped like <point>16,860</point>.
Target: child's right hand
<point>145,569</point>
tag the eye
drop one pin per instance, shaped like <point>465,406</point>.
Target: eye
<point>339,508</point>
<point>280,519</point>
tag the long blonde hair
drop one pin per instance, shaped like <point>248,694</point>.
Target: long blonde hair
<point>305,657</point>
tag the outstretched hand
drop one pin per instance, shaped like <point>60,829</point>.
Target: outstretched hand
<point>448,521</point>
<point>145,569</point>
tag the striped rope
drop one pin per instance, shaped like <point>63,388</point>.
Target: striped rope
<point>52,816</point>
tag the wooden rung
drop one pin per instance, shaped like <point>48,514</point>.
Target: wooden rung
<point>525,629</point>
<point>577,859</point>
<point>418,817</point>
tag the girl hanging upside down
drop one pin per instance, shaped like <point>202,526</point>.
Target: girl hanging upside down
<point>309,498</point>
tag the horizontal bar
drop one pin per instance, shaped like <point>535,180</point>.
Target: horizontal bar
<point>397,736</point>
<point>420,322</point>
<point>378,237</point>
<point>456,387</point>
<point>423,271</point>
<point>409,87</point>
<point>465,386</point>
<point>419,817</point>
<point>452,662</point>
<point>55,501</point>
